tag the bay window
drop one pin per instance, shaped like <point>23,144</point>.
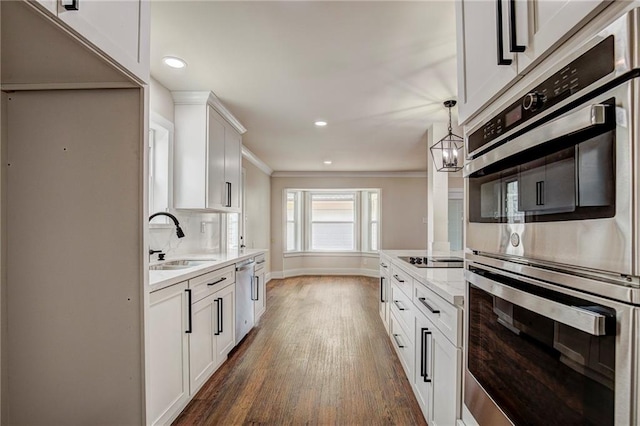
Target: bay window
<point>332,220</point>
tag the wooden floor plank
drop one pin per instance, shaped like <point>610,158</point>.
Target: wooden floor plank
<point>319,355</point>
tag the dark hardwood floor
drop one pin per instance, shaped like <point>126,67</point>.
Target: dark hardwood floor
<point>319,355</point>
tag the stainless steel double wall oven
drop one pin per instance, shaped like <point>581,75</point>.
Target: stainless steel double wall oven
<point>552,240</point>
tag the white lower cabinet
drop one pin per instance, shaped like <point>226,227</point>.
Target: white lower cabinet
<point>259,289</point>
<point>447,381</point>
<point>385,290</point>
<point>212,334</point>
<point>423,375</point>
<point>437,378</point>
<point>168,354</point>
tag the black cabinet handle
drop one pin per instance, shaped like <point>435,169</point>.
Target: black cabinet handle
<point>395,337</point>
<point>381,287</point>
<point>257,288</point>
<point>499,37</point>
<point>71,4</point>
<point>228,194</point>
<point>383,265</point>
<point>218,308</point>
<point>398,305</point>
<point>423,355</point>
<point>190,328</point>
<point>220,305</point>
<point>221,315</point>
<point>398,278</point>
<point>513,38</point>
<point>424,302</point>
<point>217,282</point>
<point>253,280</point>
<point>540,193</point>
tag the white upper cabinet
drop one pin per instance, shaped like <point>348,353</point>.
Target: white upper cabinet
<point>208,157</point>
<point>499,41</point>
<point>120,29</point>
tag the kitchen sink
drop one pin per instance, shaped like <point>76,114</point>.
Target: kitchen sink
<point>173,265</point>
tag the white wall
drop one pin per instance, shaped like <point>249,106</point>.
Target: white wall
<point>257,208</point>
<point>403,207</point>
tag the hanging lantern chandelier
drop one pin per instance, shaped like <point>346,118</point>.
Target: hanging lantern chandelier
<point>447,153</point>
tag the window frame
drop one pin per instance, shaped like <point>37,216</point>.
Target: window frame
<point>303,225</point>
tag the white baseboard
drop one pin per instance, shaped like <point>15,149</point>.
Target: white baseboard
<point>323,271</point>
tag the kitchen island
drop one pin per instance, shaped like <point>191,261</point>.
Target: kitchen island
<point>422,310</point>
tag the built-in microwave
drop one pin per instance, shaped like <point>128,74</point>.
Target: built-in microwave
<point>553,177</point>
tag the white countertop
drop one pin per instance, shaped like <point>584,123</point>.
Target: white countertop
<point>161,279</point>
<point>448,283</point>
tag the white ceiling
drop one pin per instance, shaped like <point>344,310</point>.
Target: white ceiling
<point>378,72</point>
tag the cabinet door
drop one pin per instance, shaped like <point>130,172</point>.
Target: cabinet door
<point>233,168</point>
<point>447,377</point>
<point>424,367</point>
<point>548,22</point>
<point>119,28</point>
<point>168,354</point>
<point>382,300</point>
<point>259,296</point>
<point>480,77</point>
<point>225,322</point>
<point>216,191</point>
<point>202,350</point>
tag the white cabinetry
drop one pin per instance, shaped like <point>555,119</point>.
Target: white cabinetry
<point>168,354</point>
<point>259,295</point>
<point>208,158</point>
<point>426,332</point>
<point>438,356</point>
<point>120,29</point>
<point>212,332</point>
<point>385,290</point>
<point>492,53</point>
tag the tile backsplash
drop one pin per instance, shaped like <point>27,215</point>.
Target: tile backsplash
<point>203,233</point>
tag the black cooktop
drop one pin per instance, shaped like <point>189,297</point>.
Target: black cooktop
<point>433,261</point>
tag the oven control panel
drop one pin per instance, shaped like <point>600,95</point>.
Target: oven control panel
<point>585,70</point>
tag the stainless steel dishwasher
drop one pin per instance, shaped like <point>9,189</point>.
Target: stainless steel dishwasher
<point>244,301</point>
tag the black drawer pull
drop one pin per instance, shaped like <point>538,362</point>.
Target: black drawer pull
<point>218,282</point>
<point>396,302</point>
<point>395,337</point>
<point>424,302</point>
<point>400,280</point>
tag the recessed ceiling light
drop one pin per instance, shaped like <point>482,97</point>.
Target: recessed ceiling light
<point>174,62</point>
<point>327,162</point>
<point>320,123</point>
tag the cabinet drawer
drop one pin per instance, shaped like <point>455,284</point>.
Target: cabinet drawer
<point>445,316</point>
<point>211,282</point>
<point>260,262</point>
<point>402,279</point>
<point>402,307</point>
<point>402,343</point>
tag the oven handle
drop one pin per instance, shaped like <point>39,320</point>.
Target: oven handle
<point>581,119</point>
<point>581,319</point>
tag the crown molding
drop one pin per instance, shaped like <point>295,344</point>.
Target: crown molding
<point>352,174</point>
<point>253,159</point>
<point>181,97</point>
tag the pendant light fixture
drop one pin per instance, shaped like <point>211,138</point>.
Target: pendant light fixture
<point>447,152</point>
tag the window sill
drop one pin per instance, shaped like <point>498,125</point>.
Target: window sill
<point>330,254</point>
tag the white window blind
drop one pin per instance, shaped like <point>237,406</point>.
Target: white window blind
<point>333,221</point>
